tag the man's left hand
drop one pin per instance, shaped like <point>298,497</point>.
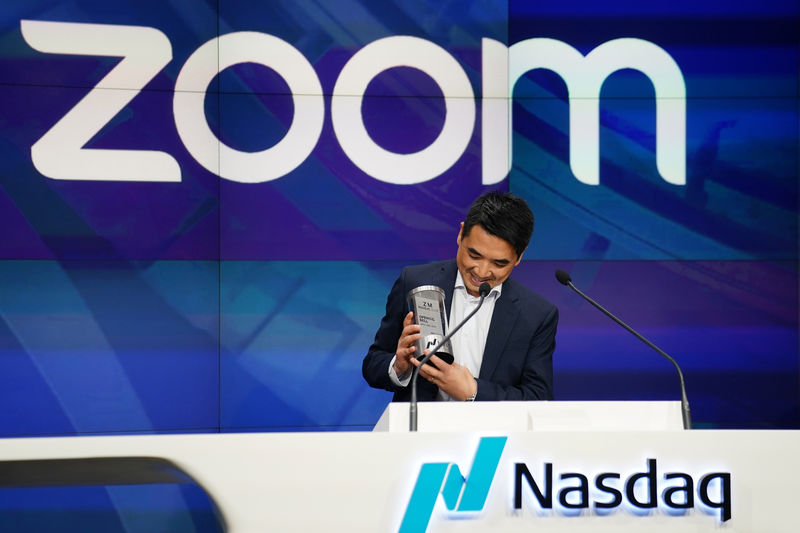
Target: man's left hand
<point>456,380</point>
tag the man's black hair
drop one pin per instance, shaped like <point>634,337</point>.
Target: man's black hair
<point>503,215</point>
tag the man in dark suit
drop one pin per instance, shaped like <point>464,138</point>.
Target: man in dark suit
<point>505,352</point>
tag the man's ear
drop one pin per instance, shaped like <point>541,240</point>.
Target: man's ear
<point>519,259</point>
<point>460,231</point>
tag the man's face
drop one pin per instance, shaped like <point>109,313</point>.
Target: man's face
<point>483,258</point>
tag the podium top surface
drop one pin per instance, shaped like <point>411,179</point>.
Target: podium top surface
<point>534,416</point>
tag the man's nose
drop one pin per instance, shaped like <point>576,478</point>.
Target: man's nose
<point>483,269</point>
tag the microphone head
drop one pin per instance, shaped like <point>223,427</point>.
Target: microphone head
<point>484,289</point>
<point>562,277</point>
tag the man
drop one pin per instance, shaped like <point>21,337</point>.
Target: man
<point>505,351</point>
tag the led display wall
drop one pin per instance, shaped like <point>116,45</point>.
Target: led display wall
<point>204,204</point>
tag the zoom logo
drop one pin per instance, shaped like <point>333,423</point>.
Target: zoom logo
<point>459,494</point>
<point>61,152</point>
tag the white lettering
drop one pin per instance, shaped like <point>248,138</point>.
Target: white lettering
<point>219,158</point>
<point>348,123</point>
<point>584,76</point>
<point>60,153</point>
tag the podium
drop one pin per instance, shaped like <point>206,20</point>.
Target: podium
<point>534,416</point>
<point>549,467</point>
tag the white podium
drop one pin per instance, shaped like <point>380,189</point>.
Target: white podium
<point>549,467</point>
<point>534,416</point>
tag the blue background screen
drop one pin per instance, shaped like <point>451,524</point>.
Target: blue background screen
<point>212,305</point>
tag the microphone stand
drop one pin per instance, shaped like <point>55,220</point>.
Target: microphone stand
<point>565,279</point>
<point>412,407</point>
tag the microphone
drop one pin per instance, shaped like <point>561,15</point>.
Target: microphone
<point>565,279</point>
<point>483,291</point>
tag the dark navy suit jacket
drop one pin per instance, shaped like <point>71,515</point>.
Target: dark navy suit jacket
<point>518,358</point>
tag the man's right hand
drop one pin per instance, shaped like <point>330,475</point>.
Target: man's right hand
<point>406,345</point>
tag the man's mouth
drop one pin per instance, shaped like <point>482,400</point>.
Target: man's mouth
<point>478,281</point>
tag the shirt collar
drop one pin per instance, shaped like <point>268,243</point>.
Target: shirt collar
<point>496,291</point>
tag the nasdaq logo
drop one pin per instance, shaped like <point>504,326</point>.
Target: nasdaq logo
<point>673,492</point>
<point>459,494</point>
<point>654,491</point>
<point>61,152</point>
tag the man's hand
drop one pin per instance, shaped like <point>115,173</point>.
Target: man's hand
<point>454,379</point>
<point>405,345</point>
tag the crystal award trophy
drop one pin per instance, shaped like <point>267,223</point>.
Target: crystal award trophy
<point>427,303</point>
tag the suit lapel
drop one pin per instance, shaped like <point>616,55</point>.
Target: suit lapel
<point>446,280</point>
<point>503,319</point>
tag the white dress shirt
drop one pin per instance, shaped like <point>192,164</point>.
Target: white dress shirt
<point>469,342</point>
